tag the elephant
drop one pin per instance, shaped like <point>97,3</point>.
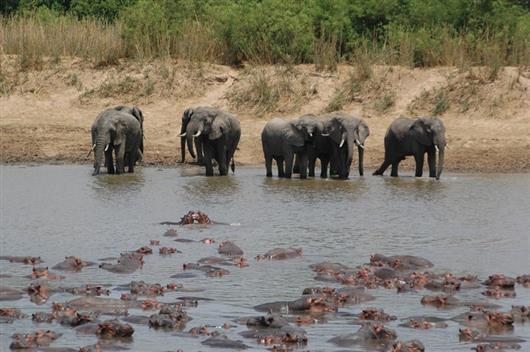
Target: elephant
<point>119,131</point>
<point>345,131</point>
<point>217,132</point>
<point>186,116</point>
<point>406,137</point>
<point>282,140</point>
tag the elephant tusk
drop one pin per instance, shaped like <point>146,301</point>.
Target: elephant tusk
<point>94,146</point>
<point>325,134</point>
<point>310,134</point>
<point>437,149</point>
<point>183,134</point>
<point>197,134</point>
<point>341,143</point>
<point>107,147</point>
<point>359,144</point>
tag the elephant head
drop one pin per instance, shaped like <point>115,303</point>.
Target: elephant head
<point>303,130</point>
<point>429,132</point>
<point>203,121</point>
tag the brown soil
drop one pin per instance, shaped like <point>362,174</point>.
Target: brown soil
<point>46,114</point>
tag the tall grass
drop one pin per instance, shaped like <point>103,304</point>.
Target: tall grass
<point>32,39</point>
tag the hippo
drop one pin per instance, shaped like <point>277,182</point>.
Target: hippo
<point>168,250</point>
<point>229,249</point>
<point>87,290</point>
<point>8,293</point>
<point>127,263</point>
<point>306,303</point>
<point>499,280</point>
<point>72,263</point>
<point>171,233</point>
<point>38,292</point>
<point>470,335</point>
<point>499,293</point>
<point>281,254</point>
<point>43,273</point>
<point>28,260</point>
<point>43,317</point>
<point>523,280</point>
<point>408,346</point>
<point>114,329</point>
<point>424,323</point>
<point>496,347</point>
<point>488,321</point>
<point>39,338</point>
<point>77,318</point>
<point>521,314</point>
<point>400,262</point>
<point>222,341</point>
<point>144,289</point>
<point>103,305</point>
<point>441,301</point>
<point>192,217</point>
<point>209,270</point>
<point>169,317</point>
<point>373,335</point>
<point>375,315</point>
<point>9,315</point>
<point>274,329</point>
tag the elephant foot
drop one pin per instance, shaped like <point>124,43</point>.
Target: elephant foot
<point>269,174</point>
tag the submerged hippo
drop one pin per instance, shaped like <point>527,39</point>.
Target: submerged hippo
<point>192,217</point>
<point>400,262</point>
<point>229,249</point>
<point>72,263</point>
<point>280,254</point>
<point>170,318</point>
<point>372,335</point>
<point>114,329</point>
<point>274,329</point>
<point>39,338</point>
<point>127,263</point>
<point>307,303</point>
<point>28,260</point>
<point>222,341</point>
<point>8,293</point>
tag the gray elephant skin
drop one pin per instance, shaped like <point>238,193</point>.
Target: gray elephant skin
<point>319,148</point>
<point>407,136</point>
<point>184,131</point>
<point>137,113</point>
<point>282,140</point>
<point>345,132</point>
<point>217,132</point>
<point>118,131</point>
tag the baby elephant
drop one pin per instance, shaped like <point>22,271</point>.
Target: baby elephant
<point>415,137</point>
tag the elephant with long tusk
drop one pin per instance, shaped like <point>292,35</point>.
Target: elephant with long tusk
<point>215,135</point>
<point>416,137</point>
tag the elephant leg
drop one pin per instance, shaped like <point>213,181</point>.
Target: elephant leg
<point>289,158</point>
<point>394,171</point>
<point>208,160</point>
<point>419,157</point>
<point>296,165</point>
<point>279,163</point>
<point>303,165</point>
<point>268,165</point>
<point>221,158</point>
<point>132,160</point>
<point>382,168</point>
<point>324,167</point>
<point>431,160</point>
<point>311,161</point>
<point>109,162</point>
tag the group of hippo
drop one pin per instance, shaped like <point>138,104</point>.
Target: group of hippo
<point>213,135</point>
<point>278,325</point>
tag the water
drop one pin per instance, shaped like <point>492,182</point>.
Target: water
<point>476,224</point>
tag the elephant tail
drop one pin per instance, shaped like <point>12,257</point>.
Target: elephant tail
<point>233,166</point>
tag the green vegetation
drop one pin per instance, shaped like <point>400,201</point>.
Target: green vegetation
<point>415,33</point>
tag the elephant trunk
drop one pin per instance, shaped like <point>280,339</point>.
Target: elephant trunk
<point>361,158</point>
<point>440,166</point>
<point>189,139</point>
<point>351,142</point>
<point>99,154</point>
<point>182,149</point>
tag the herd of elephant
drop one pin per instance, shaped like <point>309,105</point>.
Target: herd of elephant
<point>211,134</point>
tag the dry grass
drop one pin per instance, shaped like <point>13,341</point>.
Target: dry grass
<point>281,89</point>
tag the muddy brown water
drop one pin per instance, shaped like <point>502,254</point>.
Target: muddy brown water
<point>467,224</point>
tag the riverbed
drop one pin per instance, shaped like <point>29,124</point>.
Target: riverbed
<point>465,224</point>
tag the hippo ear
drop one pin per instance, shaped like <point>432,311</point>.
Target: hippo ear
<point>295,136</point>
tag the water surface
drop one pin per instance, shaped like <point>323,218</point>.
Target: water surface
<point>466,224</point>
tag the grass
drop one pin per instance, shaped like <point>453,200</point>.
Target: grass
<point>261,91</point>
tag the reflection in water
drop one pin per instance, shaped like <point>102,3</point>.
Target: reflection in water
<point>456,222</point>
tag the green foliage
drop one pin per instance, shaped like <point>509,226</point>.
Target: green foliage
<point>416,33</point>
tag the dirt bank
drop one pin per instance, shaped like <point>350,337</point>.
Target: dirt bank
<point>46,114</point>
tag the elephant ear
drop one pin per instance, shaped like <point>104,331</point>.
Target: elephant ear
<point>218,126</point>
<point>295,135</point>
<point>421,132</point>
<point>138,114</point>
